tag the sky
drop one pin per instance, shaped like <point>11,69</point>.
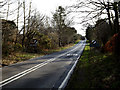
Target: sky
<point>48,6</point>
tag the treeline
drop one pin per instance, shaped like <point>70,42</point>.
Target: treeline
<point>105,30</point>
<point>107,38</point>
<point>38,31</point>
<point>101,32</point>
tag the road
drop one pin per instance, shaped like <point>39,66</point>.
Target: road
<point>46,72</point>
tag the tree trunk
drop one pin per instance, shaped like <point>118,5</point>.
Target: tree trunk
<point>8,10</point>
<point>116,23</point>
<point>24,24</point>
<point>109,18</point>
<point>17,20</point>
<point>116,26</point>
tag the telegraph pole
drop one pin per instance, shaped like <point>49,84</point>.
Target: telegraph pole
<point>117,39</point>
<point>116,26</point>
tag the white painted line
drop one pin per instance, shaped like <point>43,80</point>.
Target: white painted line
<point>64,83</point>
<point>23,74</point>
<point>19,75</point>
<point>68,75</point>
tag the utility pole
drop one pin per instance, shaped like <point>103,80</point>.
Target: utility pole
<point>24,24</point>
<point>29,16</point>
<point>108,13</point>
<point>117,39</point>
<point>116,26</point>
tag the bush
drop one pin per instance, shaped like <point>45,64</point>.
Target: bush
<point>17,47</point>
<point>87,41</point>
<point>7,48</point>
<point>111,44</point>
<point>44,43</point>
<point>41,42</point>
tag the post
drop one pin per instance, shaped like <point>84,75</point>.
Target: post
<point>116,26</point>
<point>0,49</point>
<point>24,24</point>
<point>117,39</point>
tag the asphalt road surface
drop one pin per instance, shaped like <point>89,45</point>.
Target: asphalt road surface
<point>47,72</point>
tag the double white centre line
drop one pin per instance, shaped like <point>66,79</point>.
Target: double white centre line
<point>19,75</point>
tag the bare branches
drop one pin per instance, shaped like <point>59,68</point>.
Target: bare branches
<point>92,9</point>
<point>2,3</point>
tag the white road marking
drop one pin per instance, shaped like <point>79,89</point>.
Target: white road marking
<point>64,83</point>
<point>13,79</point>
<point>72,54</point>
<point>19,75</point>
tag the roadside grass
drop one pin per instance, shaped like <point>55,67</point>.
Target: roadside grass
<point>95,70</point>
<point>77,41</point>
<point>49,51</point>
<point>16,57</point>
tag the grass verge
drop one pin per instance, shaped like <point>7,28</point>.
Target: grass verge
<point>49,51</point>
<point>95,70</point>
<point>18,57</point>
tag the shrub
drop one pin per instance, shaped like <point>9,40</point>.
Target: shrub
<point>87,41</point>
<point>111,44</point>
<point>17,47</point>
<point>44,43</point>
<point>7,48</point>
<point>39,43</point>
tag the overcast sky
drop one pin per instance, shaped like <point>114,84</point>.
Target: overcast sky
<point>48,6</point>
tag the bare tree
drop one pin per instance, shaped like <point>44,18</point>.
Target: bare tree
<point>18,16</point>
<point>19,5</point>
<point>35,25</point>
<point>59,18</point>
<point>9,11</point>
<point>8,4</point>
<point>24,29</point>
<point>29,15</point>
<point>3,3</point>
<point>94,9</point>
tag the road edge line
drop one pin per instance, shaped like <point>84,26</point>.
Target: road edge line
<point>65,81</point>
